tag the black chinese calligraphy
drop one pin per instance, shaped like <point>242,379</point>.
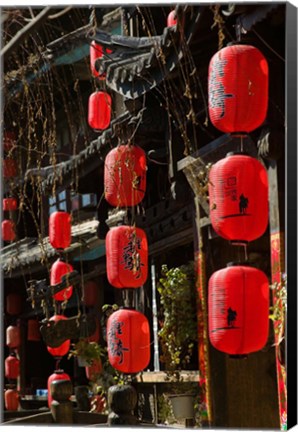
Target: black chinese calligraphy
<point>115,343</point>
<point>217,95</point>
<point>131,257</point>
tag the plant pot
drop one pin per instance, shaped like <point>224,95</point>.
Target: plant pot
<point>183,406</point>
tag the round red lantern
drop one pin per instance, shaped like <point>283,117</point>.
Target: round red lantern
<point>172,19</point>
<point>126,257</point>
<point>60,230</point>
<point>11,399</point>
<point>128,340</point>
<point>62,349</point>
<point>14,304</point>
<point>91,291</point>
<point>8,230</point>
<point>93,370</point>
<point>238,198</point>
<point>33,333</point>
<point>58,375</point>
<point>238,309</point>
<point>13,336</point>
<point>99,110</point>
<point>9,140</point>
<point>60,268</point>
<point>9,204</point>
<point>238,89</point>
<point>9,168</point>
<point>12,367</point>
<point>125,176</point>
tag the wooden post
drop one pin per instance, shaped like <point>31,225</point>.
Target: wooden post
<point>61,406</point>
<point>122,400</point>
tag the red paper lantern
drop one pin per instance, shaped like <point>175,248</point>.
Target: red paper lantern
<point>33,332</point>
<point>58,375</point>
<point>62,349</point>
<point>8,230</point>
<point>95,336</point>
<point>96,52</point>
<point>9,140</point>
<point>238,89</point>
<point>238,310</point>
<point>12,367</point>
<point>9,204</point>
<point>60,230</point>
<point>128,341</point>
<point>93,370</point>
<point>99,110</point>
<point>9,168</point>
<point>125,176</point>
<point>238,198</point>
<point>11,399</point>
<point>91,290</point>
<point>60,268</point>
<point>172,19</point>
<point>126,257</point>
<point>13,336</point>
<point>14,304</point>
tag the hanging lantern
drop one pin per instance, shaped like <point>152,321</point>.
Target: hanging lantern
<point>14,305</point>
<point>9,140</point>
<point>62,349</point>
<point>91,291</point>
<point>95,336</point>
<point>11,400</point>
<point>125,176</point>
<point>128,341</point>
<point>9,168</point>
<point>58,375</point>
<point>238,198</point>
<point>8,230</point>
<point>33,332</point>
<point>96,52</point>
<point>93,370</point>
<point>238,89</point>
<point>126,257</point>
<point>172,19</point>
<point>60,230</point>
<point>13,336</point>
<point>9,204</point>
<point>99,110</point>
<point>238,309</point>
<point>12,367</point>
<point>60,268</point>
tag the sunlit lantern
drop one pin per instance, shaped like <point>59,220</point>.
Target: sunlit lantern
<point>12,367</point>
<point>238,198</point>
<point>238,310</point>
<point>58,375</point>
<point>172,19</point>
<point>14,304</point>
<point>60,230</point>
<point>13,336</point>
<point>8,230</point>
<point>126,257</point>
<point>96,52</point>
<point>9,168</point>
<point>125,176</point>
<point>59,269</point>
<point>33,332</point>
<point>11,400</point>
<point>128,341</point>
<point>99,110</point>
<point>238,89</point>
<point>62,349</point>
<point>9,204</point>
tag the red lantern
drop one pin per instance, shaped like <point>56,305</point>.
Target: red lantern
<point>9,204</point>
<point>238,310</point>
<point>172,19</point>
<point>125,176</point>
<point>238,89</point>
<point>95,336</point>
<point>59,269</point>
<point>9,140</point>
<point>127,257</point>
<point>11,399</point>
<point>96,52</point>
<point>93,370</point>
<point>33,333</point>
<point>12,367</point>
<point>13,336</point>
<point>60,230</point>
<point>62,349</point>
<point>238,198</point>
<point>8,230</point>
<point>58,375</point>
<point>99,110</point>
<point>91,290</point>
<point>14,304</point>
<point>128,341</point>
<point>9,168</point>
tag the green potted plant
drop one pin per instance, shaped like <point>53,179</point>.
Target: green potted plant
<point>86,352</point>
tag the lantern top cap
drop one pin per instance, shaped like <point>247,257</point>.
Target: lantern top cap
<point>234,153</point>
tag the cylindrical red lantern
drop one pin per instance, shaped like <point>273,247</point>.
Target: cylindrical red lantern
<point>56,376</point>
<point>96,52</point>
<point>9,168</point>
<point>62,349</point>
<point>9,204</point>
<point>93,370</point>
<point>91,291</point>
<point>9,140</point>
<point>14,304</point>
<point>8,230</point>
<point>33,332</point>
<point>238,198</point>
<point>172,19</point>
<point>99,110</point>
<point>11,399</point>
<point>61,268</point>
<point>13,336</point>
<point>126,257</point>
<point>12,367</point>
<point>238,89</point>
<point>125,176</point>
<point>60,230</point>
<point>238,309</point>
<point>128,341</point>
